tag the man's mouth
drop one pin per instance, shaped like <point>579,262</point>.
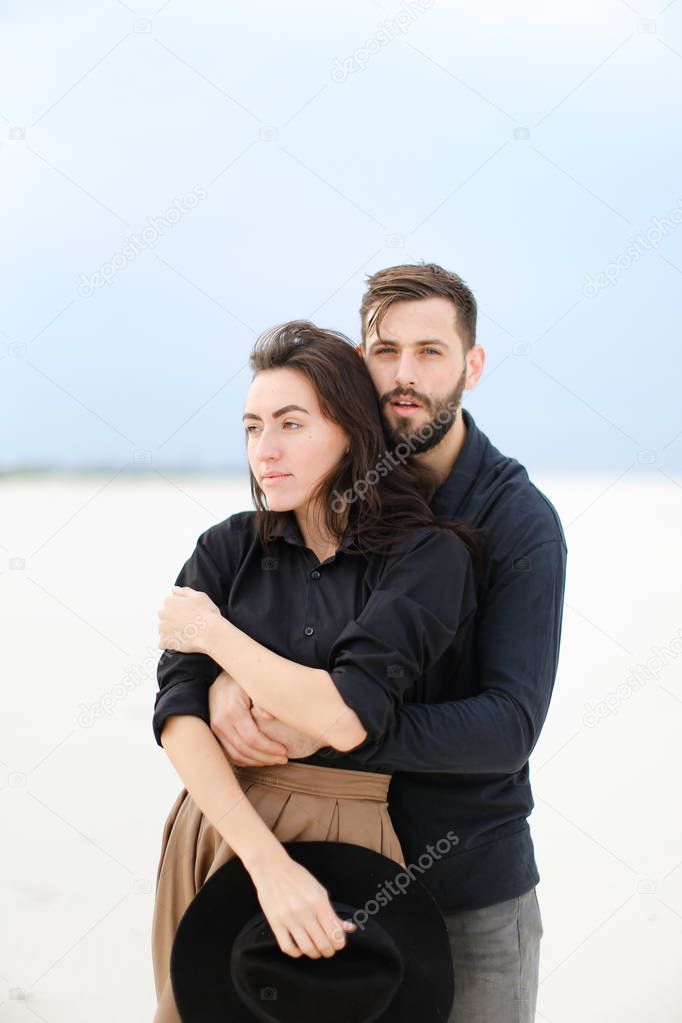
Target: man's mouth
<point>405,406</point>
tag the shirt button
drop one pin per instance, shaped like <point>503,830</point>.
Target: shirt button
<point>309,630</point>
<point>315,574</point>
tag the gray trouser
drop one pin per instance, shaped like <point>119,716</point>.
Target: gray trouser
<point>495,954</point>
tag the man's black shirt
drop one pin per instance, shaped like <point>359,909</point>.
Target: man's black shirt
<point>457,727</point>
<point>462,764</point>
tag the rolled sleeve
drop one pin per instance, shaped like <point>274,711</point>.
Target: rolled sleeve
<point>183,687</point>
<point>184,679</point>
<point>411,618</point>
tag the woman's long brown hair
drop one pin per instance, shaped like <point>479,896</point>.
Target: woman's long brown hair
<point>396,504</point>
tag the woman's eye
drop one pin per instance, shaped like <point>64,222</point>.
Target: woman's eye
<point>288,422</point>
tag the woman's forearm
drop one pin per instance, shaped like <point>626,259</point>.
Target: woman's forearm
<point>303,697</point>
<point>205,772</point>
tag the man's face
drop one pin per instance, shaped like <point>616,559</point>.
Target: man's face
<point>420,358</point>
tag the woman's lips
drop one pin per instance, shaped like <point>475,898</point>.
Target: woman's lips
<point>275,479</point>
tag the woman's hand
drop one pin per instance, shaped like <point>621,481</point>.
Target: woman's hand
<point>183,620</point>
<point>298,744</point>
<point>298,909</point>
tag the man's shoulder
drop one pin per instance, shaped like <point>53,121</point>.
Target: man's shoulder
<point>511,507</point>
<point>527,509</point>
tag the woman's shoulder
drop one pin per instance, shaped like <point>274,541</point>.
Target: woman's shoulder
<point>231,537</point>
<point>427,552</point>
<point>433,542</point>
<point>431,569</point>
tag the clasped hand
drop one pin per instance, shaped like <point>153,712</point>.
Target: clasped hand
<point>184,620</point>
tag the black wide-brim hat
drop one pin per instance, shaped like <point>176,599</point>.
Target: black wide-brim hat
<point>396,967</point>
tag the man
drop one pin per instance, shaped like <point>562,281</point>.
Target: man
<point>460,766</point>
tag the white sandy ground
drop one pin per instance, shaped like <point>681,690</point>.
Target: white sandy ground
<point>83,806</point>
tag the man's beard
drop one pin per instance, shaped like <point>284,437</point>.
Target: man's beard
<point>429,434</point>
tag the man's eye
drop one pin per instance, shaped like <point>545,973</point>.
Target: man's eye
<point>380,351</point>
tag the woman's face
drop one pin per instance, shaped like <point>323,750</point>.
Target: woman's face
<point>290,444</point>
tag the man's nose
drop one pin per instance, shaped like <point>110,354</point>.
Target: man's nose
<point>406,373</point>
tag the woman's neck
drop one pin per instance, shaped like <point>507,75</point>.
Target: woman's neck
<point>320,541</point>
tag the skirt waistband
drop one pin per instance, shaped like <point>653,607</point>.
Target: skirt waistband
<point>319,781</point>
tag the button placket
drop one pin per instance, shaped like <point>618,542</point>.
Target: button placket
<point>311,601</point>
<point>308,609</point>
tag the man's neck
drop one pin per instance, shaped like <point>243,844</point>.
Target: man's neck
<point>442,458</point>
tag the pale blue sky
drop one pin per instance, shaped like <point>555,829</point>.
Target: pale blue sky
<point>524,152</point>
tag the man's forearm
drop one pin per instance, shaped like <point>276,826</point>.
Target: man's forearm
<point>303,697</point>
<point>484,734</point>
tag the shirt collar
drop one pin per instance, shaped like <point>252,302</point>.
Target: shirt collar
<point>289,531</point>
<point>454,490</point>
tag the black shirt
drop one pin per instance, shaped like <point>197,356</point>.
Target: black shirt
<point>380,625</point>
<point>459,744</point>
<point>462,764</point>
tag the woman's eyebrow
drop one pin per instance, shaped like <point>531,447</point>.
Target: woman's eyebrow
<point>278,413</point>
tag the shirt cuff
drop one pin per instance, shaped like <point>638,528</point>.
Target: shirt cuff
<point>182,698</point>
<point>364,695</point>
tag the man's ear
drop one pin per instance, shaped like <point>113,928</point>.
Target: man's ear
<point>359,350</point>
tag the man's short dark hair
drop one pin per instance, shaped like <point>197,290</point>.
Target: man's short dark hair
<point>414,281</point>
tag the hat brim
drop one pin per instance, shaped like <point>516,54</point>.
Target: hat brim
<point>200,957</point>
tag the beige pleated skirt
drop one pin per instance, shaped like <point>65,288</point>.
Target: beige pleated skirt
<point>298,802</point>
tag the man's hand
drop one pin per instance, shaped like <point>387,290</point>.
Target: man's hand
<point>250,736</point>
<point>235,728</point>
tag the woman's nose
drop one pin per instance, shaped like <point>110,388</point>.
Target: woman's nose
<point>267,446</point>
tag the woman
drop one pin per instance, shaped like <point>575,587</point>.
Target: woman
<point>327,605</point>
